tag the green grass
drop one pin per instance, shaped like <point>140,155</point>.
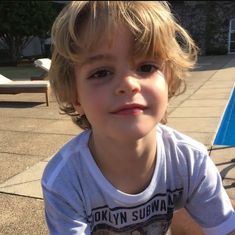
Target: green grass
<point>20,72</point>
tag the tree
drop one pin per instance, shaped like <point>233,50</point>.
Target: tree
<point>23,20</point>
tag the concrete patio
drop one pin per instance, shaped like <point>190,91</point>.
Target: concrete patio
<point>31,132</point>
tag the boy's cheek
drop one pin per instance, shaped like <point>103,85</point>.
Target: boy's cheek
<point>167,74</point>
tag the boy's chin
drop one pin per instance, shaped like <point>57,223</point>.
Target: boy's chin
<point>135,133</point>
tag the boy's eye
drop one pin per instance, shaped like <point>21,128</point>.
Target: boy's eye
<point>103,73</point>
<point>147,68</point>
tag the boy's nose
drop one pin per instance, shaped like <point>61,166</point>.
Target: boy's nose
<point>128,84</point>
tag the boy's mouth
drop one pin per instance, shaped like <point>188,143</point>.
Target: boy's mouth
<point>129,109</point>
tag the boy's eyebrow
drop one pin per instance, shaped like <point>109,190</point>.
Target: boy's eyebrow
<point>95,58</point>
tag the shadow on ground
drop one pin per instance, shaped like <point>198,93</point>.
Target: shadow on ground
<point>206,63</point>
<point>19,104</point>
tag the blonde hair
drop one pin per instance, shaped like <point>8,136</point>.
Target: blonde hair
<point>155,30</point>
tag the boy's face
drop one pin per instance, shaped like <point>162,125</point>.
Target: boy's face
<point>122,97</point>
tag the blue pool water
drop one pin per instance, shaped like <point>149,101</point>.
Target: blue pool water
<point>226,132</point>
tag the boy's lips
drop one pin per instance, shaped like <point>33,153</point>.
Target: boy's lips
<point>129,109</point>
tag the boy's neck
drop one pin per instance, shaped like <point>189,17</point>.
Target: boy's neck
<point>128,166</point>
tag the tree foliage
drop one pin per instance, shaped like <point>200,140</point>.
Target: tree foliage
<point>23,20</point>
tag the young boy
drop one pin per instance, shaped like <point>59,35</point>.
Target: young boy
<point>114,66</point>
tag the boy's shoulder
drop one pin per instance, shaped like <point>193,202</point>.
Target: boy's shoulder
<point>183,155</point>
<point>65,157</point>
<point>172,137</point>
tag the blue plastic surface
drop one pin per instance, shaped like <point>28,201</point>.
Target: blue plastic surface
<point>226,132</point>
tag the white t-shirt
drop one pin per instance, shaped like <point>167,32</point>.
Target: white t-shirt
<point>80,200</point>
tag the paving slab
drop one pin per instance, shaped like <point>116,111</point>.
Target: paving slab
<point>194,85</point>
<point>226,72</point>
<point>194,124</point>
<point>208,112</point>
<point>202,137</point>
<point>212,91</point>
<point>178,100</point>
<point>60,127</point>
<point>210,94</point>
<point>206,103</point>
<point>26,183</point>
<point>39,125</point>
<point>215,85</point>
<point>31,143</point>
<point>39,112</point>
<point>21,216</point>
<point>21,162</point>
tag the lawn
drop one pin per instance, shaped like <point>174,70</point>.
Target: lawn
<point>21,72</point>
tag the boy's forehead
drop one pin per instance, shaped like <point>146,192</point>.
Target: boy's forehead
<point>93,58</point>
<point>103,36</point>
<point>121,40</point>
<point>102,44</point>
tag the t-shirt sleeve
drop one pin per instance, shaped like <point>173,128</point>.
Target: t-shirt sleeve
<point>61,217</point>
<point>208,202</point>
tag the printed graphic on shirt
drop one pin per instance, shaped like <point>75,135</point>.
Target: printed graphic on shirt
<point>152,217</point>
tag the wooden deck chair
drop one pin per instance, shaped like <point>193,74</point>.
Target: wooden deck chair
<point>8,86</point>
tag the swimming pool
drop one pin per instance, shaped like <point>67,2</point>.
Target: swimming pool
<point>226,131</point>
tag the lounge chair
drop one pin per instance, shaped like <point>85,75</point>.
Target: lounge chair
<point>8,86</point>
<point>44,64</point>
